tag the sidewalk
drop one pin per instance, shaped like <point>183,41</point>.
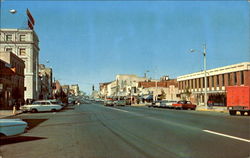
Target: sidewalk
<point>213,108</point>
<point>6,113</point>
<point>198,108</point>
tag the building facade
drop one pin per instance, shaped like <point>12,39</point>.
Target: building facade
<point>165,89</point>
<point>11,80</point>
<point>192,86</point>
<point>75,89</point>
<point>45,82</point>
<point>24,44</point>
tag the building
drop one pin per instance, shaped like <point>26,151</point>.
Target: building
<point>24,44</point>
<point>45,82</point>
<point>103,89</point>
<point>192,86</point>
<point>74,89</point>
<point>165,89</point>
<point>66,89</point>
<point>127,85</point>
<point>11,80</point>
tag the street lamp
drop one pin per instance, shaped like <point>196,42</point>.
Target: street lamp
<point>12,11</point>
<point>205,70</point>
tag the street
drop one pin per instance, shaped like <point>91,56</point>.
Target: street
<point>96,131</point>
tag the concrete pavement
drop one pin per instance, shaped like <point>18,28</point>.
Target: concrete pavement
<point>8,113</point>
<point>96,131</point>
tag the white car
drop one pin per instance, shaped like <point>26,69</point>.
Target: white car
<point>167,103</point>
<point>12,127</point>
<point>43,105</point>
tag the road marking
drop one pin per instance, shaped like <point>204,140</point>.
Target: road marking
<point>118,109</point>
<point>225,135</point>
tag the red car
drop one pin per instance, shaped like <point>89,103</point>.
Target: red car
<point>184,105</point>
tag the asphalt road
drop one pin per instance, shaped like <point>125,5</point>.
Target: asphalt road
<point>96,131</point>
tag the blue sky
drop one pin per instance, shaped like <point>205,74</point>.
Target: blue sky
<point>88,42</point>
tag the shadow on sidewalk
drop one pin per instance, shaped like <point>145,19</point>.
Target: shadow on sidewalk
<point>19,139</point>
<point>34,122</point>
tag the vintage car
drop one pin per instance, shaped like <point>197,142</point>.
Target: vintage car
<point>12,127</point>
<point>109,103</point>
<point>43,105</point>
<point>185,105</point>
<point>167,104</point>
<point>120,102</point>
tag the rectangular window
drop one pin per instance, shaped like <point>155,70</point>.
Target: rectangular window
<point>218,81</point>
<point>22,37</point>
<point>191,84</point>
<point>195,83</point>
<point>228,79</point>
<point>207,82</point>
<point>8,37</point>
<point>242,77</point>
<point>8,49</point>
<point>199,82</point>
<point>22,52</point>
<point>203,82</point>
<point>223,82</point>
<point>212,81</point>
<point>235,78</point>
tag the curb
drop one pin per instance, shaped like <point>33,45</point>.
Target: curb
<point>213,110</point>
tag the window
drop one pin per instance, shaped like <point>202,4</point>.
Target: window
<point>235,78</point>
<point>242,77</point>
<point>212,81</point>
<point>223,83</point>
<point>218,80</point>
<point>199,82</point>
<point>228,79</point>
<point>22,52</point>
<point>8,37</point>
<point>203,82</point>
<point>207,82</point>
<point>22,37</point>
<point>8,49</point>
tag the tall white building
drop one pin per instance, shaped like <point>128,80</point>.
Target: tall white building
<point>24,43</point>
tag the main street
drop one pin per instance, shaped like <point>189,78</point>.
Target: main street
<point>96,131</point>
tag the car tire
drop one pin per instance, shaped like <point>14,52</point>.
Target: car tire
<point>232,112</point>
<point>53,110</point>
<point>34,110</point>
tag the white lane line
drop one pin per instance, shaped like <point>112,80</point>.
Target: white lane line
<point>225,135</point>
<point>118,109</point>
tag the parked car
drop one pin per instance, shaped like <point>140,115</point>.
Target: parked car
<point>167,104</point>
<point>184,105</point>
<point>43,105</point>
<point>109,103</point>
<point>155,104</point>
<point>12,127</point>
<point>120,102</point>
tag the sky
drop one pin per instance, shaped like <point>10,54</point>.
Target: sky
<point>90,42</point>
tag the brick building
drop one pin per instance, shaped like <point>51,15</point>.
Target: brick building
<point>11,80</point>
<point>192,86</point>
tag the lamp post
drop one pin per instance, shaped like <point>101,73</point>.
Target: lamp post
<point>205,71</point>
